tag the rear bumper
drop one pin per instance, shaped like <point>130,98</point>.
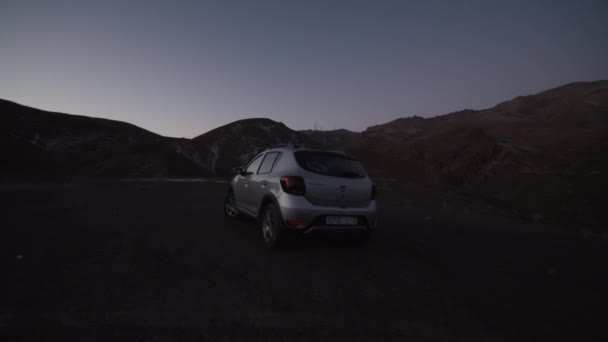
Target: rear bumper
<point>335,229</point>
<point>312,217</point>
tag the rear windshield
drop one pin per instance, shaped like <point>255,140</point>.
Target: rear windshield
<point>330,164</point>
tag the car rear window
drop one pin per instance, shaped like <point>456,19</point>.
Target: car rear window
<point>330,164</point>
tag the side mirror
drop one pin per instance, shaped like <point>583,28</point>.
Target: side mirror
<point>239,170</point>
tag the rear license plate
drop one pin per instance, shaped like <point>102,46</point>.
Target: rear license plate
<point>341,220</point>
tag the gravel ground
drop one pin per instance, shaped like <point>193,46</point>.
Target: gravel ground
<point>157,261</point>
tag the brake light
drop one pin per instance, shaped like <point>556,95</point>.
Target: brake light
<point>374,192</point>
<point>293,185</point>
<point>294,223</point>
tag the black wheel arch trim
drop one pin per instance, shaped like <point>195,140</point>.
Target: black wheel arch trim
<point>273,200</point>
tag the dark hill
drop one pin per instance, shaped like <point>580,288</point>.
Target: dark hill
<point>47,144</point>
<point>232,145</point>
<point>542,155</point>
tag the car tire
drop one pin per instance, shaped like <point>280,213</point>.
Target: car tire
<point>230,209</point>
<point>272,229</point>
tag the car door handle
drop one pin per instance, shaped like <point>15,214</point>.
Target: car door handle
<point>263,183</point>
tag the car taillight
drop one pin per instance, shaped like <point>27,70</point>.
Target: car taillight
<point>374,192</point>
<point>294,223</point>
<point>293,185</point>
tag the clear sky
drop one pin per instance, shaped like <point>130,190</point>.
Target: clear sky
<point>181,68</point>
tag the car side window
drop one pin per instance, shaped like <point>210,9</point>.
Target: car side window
<point>253,166</point>
<point>268,162</point>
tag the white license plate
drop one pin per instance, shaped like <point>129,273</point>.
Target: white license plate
<point>341,220</point>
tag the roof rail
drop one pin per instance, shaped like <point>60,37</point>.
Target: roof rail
<point>292,146</point>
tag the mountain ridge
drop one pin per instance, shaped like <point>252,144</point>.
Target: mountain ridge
<point>543,155</point>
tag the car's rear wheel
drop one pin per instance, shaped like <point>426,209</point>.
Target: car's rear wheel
<point>272,230</point>
<point>230,206</point>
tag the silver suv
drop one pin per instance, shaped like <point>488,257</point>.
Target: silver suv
<point>291,189</point>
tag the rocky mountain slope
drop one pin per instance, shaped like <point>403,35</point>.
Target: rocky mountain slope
<point>46,144</point>
<point>542,156</point>
<point>333,139</point>
<point>232,145</point>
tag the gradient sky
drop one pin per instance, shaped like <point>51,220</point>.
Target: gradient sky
<point>181,68</point>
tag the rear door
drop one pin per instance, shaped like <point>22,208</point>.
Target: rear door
<point>334,179</point>
<point>258,183</point>
<point>243,186</point>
